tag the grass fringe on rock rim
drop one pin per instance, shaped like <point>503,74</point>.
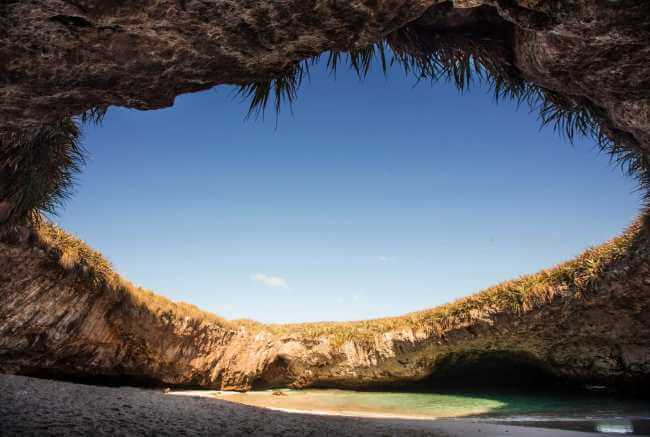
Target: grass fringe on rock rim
<point>97,273</point>
<point>464,59</point>
<point>37,170</point>
<point>573,279</point>
<point>45,162</point>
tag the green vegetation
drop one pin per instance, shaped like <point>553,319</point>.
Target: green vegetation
<point>72,254</point>
<point>575,278</point>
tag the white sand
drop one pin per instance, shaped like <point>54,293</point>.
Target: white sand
<point>38,407</point>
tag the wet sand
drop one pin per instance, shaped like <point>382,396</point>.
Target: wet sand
<point>38,407</point>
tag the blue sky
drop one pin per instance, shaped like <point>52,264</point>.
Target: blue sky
<point>374,198</point>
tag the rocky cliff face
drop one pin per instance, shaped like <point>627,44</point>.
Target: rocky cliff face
<point>63,57</point>
<point>53,324</point>
<point>586,59</point>
<point>60,58</point>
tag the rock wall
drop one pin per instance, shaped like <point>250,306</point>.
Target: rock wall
<point>53,324</point>
<point>62,57</point>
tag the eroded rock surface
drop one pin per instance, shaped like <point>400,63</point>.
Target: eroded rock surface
<point>53,324</point>
<point>62,57</point>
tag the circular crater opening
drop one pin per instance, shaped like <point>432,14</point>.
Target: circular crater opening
<point>435,196</point>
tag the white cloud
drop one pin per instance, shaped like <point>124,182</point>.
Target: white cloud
<point>385,259</point>
<point>270,281</point>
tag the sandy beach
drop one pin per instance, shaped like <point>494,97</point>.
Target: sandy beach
<point>30,406</point>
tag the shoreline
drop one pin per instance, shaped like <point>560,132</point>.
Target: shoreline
<point>41,407</point>
<point>361,414</point>
<point>481,417</point>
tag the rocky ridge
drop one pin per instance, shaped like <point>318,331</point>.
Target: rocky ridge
<point>53,324</point>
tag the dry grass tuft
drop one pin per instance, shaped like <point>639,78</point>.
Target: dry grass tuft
<point>72,254</point>
<point>38,170</point>
<point>573,279</point>
<point>464,58</point>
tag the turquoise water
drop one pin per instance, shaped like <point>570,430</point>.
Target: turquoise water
<point>449,404</point>
<point>586,413</point>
